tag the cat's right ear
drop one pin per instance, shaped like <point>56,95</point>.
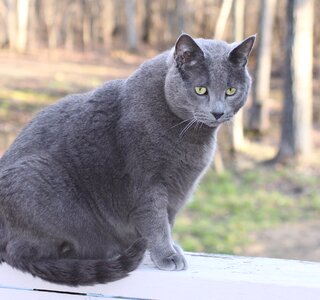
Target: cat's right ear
<point>187,52</point>
<point>239,55</point>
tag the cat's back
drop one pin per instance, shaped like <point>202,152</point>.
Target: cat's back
<point>65,125</point>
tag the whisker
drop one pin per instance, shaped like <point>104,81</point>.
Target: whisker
<point>198,123</point>
<point>181,123</point>
<point>184,130</point>
<point>192,123</point>
<point>195,127</point>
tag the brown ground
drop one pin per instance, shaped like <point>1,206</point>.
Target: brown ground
<point>295,241</point>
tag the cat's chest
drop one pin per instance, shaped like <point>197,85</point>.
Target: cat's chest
<point>194,158</point>
<point>186,163</point>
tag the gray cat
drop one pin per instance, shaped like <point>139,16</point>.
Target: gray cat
<point>97,178</point>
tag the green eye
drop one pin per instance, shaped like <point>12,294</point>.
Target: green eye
<point>200,90</point>
<point>230,91</point>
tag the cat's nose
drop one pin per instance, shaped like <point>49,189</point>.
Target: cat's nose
<point>217,115</point>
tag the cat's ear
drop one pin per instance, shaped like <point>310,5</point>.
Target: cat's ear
<point>187,52</point>
<point>239,55</point>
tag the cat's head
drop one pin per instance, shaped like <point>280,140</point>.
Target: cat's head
<point>207,80</point>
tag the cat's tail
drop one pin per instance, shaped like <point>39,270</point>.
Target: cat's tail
<point>76,272</point>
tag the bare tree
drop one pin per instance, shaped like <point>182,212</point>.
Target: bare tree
<point>53,18</point>
<point>107,23</point>
<point>222,19</point>
<point>296,139</point>
<point>23,18</point>
<point>180,5</point>
<point>146,22</point>
<point>38,35</point>
<point>3,24</point>
<point>12,23</point>
<point>131,26</point>
<point>237,135</point>
<point>259,117</point>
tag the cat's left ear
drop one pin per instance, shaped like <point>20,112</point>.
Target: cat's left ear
<point>187,52</point>
<point>239,55</point>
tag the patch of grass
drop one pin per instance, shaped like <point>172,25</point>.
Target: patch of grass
<point>227,208</point>
<point>26,96</point>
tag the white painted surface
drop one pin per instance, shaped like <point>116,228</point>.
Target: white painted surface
<point>208,277</point>
<point>10,294</point>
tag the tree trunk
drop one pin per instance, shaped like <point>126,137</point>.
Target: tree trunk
<point>259,117</point>
<point>107,23</point>
<point>12,23</point>
<point>180,6</point>
<point>222,19</point>
<point>131,26</point>
<point>296,139</point>
<point>87,37</point>
<point>53,19</point>
<point>237,136</point>
<point>23,17</point>
<point>38,24</point>
<point>4,39</point>
<point>146,25</point>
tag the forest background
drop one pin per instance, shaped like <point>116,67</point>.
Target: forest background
<point>262,194</point>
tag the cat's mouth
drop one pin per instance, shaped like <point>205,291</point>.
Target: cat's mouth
<point>212,122</point>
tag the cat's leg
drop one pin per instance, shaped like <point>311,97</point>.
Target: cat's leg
<point>172,212</point>
<point>151,220</point>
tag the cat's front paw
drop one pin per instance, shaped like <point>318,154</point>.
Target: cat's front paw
<point>172,262</point>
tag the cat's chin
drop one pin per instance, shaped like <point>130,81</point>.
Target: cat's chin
<point>210,124</point>
<point>213,124</point>
<point>220,122</point>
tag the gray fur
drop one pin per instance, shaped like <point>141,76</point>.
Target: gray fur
<point>97,178</point>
